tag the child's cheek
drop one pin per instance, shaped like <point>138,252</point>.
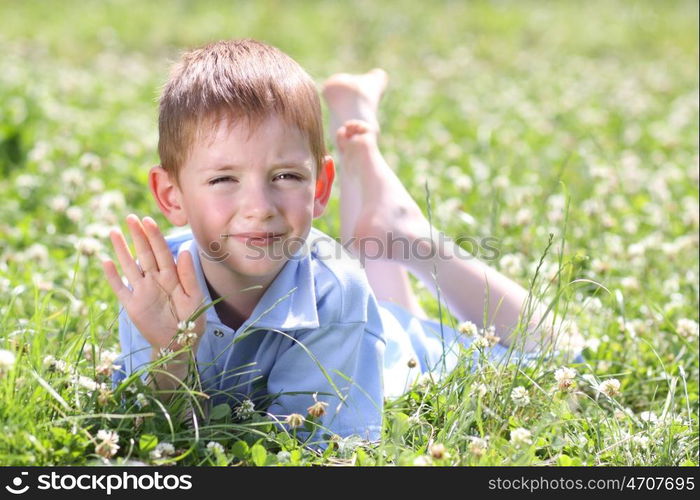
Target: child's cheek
<point>217,208</point>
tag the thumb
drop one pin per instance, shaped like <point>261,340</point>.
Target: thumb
<point>187,274</point>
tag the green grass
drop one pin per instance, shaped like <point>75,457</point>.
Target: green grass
<point>508,110</point>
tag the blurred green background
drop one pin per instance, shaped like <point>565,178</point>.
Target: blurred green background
<point>505,110</point>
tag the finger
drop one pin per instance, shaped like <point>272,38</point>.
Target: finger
<point>115,281</point>
<point>126,261</point>
<point>144,252</point>
<point>187,274</point>
<point>163,256</point>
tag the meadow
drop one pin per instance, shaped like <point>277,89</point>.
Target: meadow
<point>565,131</point>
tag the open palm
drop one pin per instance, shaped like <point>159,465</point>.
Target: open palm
<point>163,292</point>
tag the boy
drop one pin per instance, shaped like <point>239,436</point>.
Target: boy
<point>295,326</point>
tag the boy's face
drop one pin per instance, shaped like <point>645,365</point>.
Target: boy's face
<point>250,198</point>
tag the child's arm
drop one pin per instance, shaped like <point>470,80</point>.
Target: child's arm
<point>162,293</point>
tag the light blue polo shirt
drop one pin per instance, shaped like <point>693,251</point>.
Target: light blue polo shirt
<point>317,329</point>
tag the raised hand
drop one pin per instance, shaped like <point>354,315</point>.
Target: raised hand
<point>163,293</point>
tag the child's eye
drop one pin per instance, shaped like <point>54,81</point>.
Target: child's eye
<point>288,176</point>
<point>220,179</point>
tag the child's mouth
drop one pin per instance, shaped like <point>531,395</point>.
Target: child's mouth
<point>258,239</point>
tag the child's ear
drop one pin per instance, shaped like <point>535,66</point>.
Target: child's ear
<point>324,183</point>
<point>167,195</point>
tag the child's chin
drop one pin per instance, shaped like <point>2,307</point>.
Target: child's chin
<point>261,268</point>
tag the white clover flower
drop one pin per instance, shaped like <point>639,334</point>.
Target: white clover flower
<point>244,410</point>
<point>468,329</point>
<point>523,217</point>
<point>687,328</point>
<point>480,342</point>
<point>318,409</point>
<point>649,417</point>
<point>284,457</point>
<point>87,383</point>
<point>59,203</point>
<point>107,366</point>
<point>557,205</point>
<point>99,230</point>
<point>489,334</point>
<point>592,343</point>
<point>88,246</point>
<point>620,414</point>
<point>626,326</point>
<point>186,326</point>
<point>52,363</point>
<point>630,283</point>
<point>630,226</point>
<point>511,264</point>
<point>422,461</point>
<point>594,305</point>
<point>438,451</point>
<point>186,339</point>
<point>414,419</point>
<point>74,213</point>
<point>107,445</point>
<point>186,336</point>
<point>600,266</point>
<point>105,395</point>
<point>565,378</point>
<point>162,450</point>
<point>141,400</point>
<point>347,445</point>
<point>609,387</point>
<point>603,365</point>
<point>7,361</point>
<point>215,448</point>
<point>27,181</point>
<point>108,201</point>
<point>677,301</point>
<point>73,177</point>
<point>90,160</point>
<point>520,437</point>
<point>88,350</point>
<point>569,338</point>
<point>164,351</point>
<point>479,390</point>
<point>501,182</point>
<point>478,446</point>
<point>463,182</point>
<point>520,396</point>
<point>36,252</point>
<point>641,440</point>
<point>294,420</point>
<point>78,308</point>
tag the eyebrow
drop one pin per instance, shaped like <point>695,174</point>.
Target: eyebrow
<point>279,164</point>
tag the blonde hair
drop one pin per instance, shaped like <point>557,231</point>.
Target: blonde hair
<point>234,79</point>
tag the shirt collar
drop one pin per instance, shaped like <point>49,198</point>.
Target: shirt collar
<point>289,303</point>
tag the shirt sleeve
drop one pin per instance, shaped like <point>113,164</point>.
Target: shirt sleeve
<point>136,351</point>
<point>344,366</point>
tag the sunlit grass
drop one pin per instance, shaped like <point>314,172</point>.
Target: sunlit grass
<point>510,112</point>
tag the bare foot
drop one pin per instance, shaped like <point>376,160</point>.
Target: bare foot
<point>354,97</point>
<point>388,220</point>
<point>356,138</point>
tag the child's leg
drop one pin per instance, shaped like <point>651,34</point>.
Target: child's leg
<point>387,223</point>
<point>356,97</point>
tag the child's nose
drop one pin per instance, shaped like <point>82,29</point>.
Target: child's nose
<point>256,202</point>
